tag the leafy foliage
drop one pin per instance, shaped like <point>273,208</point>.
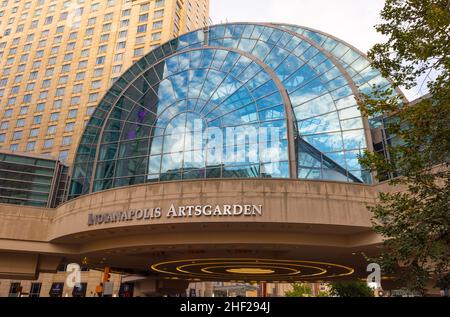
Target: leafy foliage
<point>351,289</point>
<point>300,290</point>
<point>414,221</point>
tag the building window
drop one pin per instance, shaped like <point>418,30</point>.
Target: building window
<point>35,289</point>
<point>51,130</point>
<point>139,52</point>
<point>17,135</point>
<point>69,127</point>
<point>90,111</point>
<point>65,68</point>
<point>30,147</point>
<point>60,92</point>
<point>63,80</point>
<point>104,38</point>
<point>75,101</point>
<point>14,290</point>
<point>158,14</point>
<point>37,119</point>
<point>40,107</point>
<point>20,123</point>
<point>54,116</point>
<point>108,17</point>
<point>122,34</point>
<point>8,113</point>
<point>48,143</point>
<point>100,60</point>
<point>117,69</point>
<point>159,3</point>
<point>89,32</point>
<point>23,110</point>
<point>4,125</point>
<point>106,27</point>
<point>156,36</point>
<point>27,97</point>
<point>140,40</point>
<point>77,88</point>
<point>72,114</point>
<point>80,76</point>
<point>118,57</point>
<point>157,25</point>
<point>143,17</point>
<point>2,137</point>
<point>93,97</point>
<point>96,84</point>
<point>102,49</point>
<point>14,147</point>
<point>63,156</point>
<point>34,133</point>
<point>57,104</point>
<point>85,53</point>
<point>67,140</point>
<point>142,28</point>
<point>98,72</point>
<point>82,64</point>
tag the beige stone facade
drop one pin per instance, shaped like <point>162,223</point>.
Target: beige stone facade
<point>58,58</point>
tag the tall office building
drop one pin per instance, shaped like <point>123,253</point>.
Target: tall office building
<point>59,57</point>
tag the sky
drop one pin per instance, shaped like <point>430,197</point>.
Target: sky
<point>350,20</point>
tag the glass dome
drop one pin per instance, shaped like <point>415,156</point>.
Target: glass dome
<point>298,84</point>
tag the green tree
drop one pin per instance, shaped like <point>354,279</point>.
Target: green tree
<point>414,222</point>
<point>300,290</point>
<point>351,289</point>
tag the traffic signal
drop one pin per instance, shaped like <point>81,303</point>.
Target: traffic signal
<point>106,274</point>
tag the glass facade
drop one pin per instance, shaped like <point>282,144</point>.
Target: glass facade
<point>32,181</point>
<point>299,84</point>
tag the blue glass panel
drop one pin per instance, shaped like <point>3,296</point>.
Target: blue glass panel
<point>261,50</point>
<point>248,31</point>
<point>272,113</point>
<point>270,101</point>
<point>216,32</point>
<point>257,81</point>
<point>238,30</point>
<point>349,113</point>
<point>325,123</point>
<point>156,145</point>
<point>350,124</point>
<point>249,72</point>
<point>154,165</point>
<point>171,66</point>
<point>310,91</point>
<point>328,142</point>
<point>196,79</point>
<point>305,173</point>
<point>180,83</point>
<point>276,57</point>
<point>265,35</point>
<point>316,37</point>
<point>354,140</point>
<point>265,90</point>
<point>318,106</point>
<point>352,158</point>
<point>304,74</point>
<point>289,66</point>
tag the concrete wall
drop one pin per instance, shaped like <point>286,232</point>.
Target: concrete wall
<point>303,213</point>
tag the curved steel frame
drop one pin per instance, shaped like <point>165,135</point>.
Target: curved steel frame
<point>291,122</point>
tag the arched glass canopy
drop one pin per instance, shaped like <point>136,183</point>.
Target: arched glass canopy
<point>260,76</point>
